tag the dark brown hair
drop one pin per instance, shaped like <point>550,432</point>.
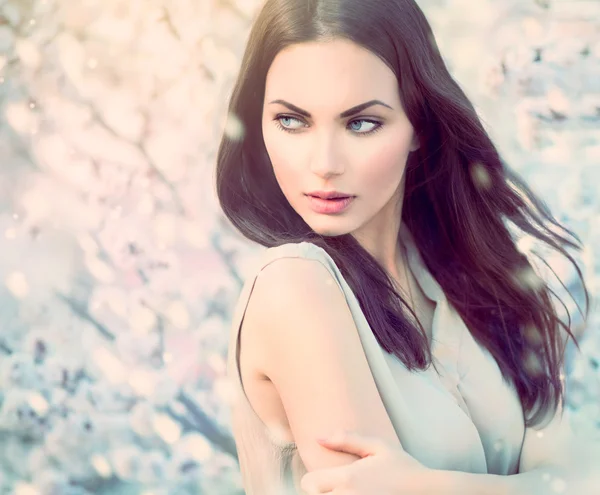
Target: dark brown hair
<point>460,199</point>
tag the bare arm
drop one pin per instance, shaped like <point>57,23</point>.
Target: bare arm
<point>314,358</point>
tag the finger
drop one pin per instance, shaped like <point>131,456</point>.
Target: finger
<point>353,443</point>
<point>323,480</point>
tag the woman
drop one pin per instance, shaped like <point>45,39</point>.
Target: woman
<point>393,300</point>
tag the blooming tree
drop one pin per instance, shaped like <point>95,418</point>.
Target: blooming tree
<point>119,271</point>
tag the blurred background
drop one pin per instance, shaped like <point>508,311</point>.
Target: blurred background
<point>119,273</point>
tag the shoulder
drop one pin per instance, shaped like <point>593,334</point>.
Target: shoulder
<point>292,292</point>
<point>297,303</point>
<point>299,262</point>
<point>304,249</point>
<point>292,277</point>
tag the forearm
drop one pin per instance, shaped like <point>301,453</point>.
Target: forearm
<point>541,481</point>
<point>460,483</point>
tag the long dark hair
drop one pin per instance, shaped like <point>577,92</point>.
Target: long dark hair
<point>460,198</point>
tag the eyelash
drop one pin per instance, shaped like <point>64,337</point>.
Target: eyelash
<point>278,118</point>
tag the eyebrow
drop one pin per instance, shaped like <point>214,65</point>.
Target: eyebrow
<point>348,113</point>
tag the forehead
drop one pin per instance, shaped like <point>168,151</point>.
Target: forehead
<point>338,70</point>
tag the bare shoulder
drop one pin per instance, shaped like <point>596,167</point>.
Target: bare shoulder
<point>295,298</point>
<point>295,281</point>
<point>310,349</point>
<point>282,288</point>
<point>283,291</point>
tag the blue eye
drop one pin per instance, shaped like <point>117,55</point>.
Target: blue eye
<point>279,120</point>
<point>284,126</point>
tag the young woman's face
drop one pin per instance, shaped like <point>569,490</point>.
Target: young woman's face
<point>314,145</point>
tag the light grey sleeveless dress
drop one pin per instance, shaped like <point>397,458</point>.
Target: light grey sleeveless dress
<point>465,419</point>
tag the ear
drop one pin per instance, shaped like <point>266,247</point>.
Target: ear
<point>415,144</point>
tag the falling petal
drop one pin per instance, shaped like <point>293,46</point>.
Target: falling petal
<point>528,279</point>
<point>533,336</point>
<point>16,283</point>
<point>234,128</point>
<point>101,465</point>
<point>526,244</point>
<point>480,176</point>
<point>533,365</point>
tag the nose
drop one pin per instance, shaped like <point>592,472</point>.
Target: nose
<point>326,160</point>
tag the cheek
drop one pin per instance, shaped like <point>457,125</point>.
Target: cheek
<point>386,165</point>
<point>285,163</point>
<point>283,153</point>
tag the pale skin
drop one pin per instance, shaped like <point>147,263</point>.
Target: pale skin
<point>287,326</point>
<point>328,152</point>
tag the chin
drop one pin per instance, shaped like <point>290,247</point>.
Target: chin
<point>329,230</point>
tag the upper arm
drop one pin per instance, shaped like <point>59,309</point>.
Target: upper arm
<point>314,357</point>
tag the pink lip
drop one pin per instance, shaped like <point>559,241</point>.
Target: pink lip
<point>328,194</point>
<point>329,206</point>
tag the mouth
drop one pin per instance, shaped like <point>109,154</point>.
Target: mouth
<point>329,206</point>
<point>330,197</point>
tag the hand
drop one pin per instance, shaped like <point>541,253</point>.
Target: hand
<point>383,469</point>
